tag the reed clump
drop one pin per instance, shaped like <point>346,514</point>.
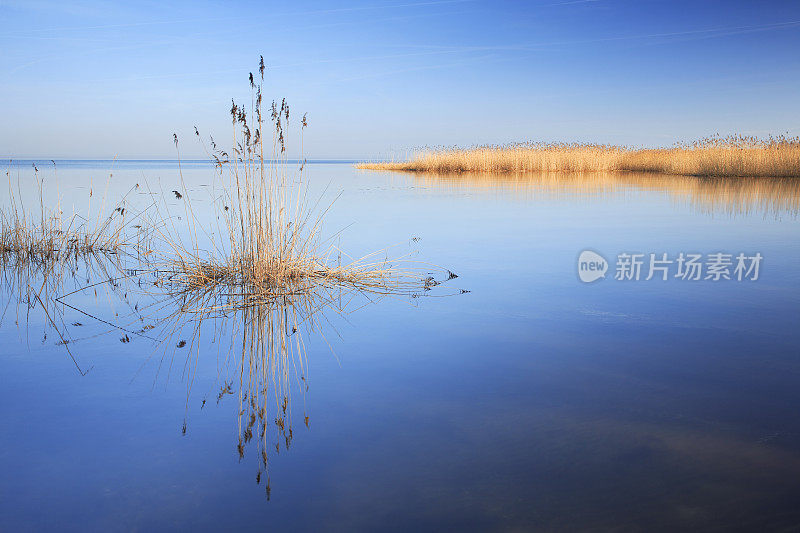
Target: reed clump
<point>269,243</point>
<point>731,156</point>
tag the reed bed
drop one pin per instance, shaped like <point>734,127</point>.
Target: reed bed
<point>46,235</point>
<point>732,156</point>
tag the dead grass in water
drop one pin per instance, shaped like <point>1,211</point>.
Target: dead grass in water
<point>46,235</point>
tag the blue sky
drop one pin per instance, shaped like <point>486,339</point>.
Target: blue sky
<point>99,80</point>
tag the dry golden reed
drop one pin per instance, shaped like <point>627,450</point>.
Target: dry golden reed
<point>733,156</point>
<point>270,242</point>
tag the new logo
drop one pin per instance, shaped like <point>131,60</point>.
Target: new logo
<point>591,266</point>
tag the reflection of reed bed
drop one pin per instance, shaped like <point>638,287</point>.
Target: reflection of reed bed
<point>262,360</point>
<point>733,156</point>
<point>28,283</point>
<point>261,344</point>
<point>769,196</point>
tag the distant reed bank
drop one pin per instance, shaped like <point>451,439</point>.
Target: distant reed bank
<point>733,156</point>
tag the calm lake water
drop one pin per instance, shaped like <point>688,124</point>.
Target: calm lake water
<point>532,402</point>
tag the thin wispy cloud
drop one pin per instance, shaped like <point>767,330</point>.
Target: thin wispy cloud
<point>238,19</point>
<point>571,3</point>
<point>705,33</point>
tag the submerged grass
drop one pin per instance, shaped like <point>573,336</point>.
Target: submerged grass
<point>733,156</point>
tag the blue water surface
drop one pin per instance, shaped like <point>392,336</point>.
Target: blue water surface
<point>531,402</point>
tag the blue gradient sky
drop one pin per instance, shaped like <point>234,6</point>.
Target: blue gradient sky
<point>99,80</point>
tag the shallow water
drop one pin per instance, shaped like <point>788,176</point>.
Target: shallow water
<point>534,401</point>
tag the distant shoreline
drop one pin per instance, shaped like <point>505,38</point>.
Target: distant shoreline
<point>45,160</point>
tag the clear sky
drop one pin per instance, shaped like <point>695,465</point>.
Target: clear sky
<point>97,79</point>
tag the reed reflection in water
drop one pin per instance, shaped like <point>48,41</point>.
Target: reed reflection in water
<point>771,197</point>
<point>260,343</point>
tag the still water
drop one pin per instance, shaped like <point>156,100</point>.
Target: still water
<point>513,397</point>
